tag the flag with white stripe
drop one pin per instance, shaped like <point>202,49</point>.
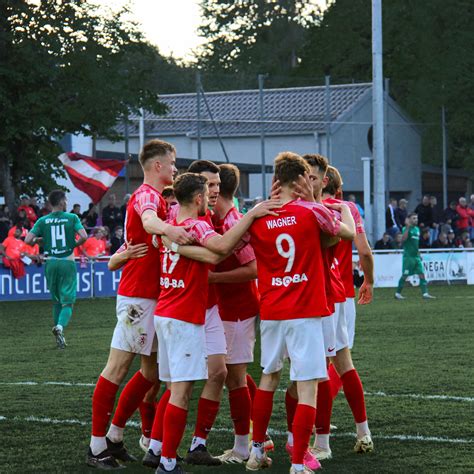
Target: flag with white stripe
<point>91,175</point>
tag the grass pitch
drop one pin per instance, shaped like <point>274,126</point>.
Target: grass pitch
<point>415,359</point>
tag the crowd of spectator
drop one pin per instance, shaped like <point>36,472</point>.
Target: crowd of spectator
<point>452,227</point>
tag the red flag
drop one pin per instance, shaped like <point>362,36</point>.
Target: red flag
<point>91,175</point>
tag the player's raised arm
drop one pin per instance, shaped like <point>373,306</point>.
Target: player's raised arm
<point>346,229</point>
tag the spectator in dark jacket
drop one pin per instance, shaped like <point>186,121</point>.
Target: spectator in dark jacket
<point>397,241</point>
<point>401,213</point>
<point>425,213</point>
<point>450,216</point>
<point>385,243</point>
<point>123,208</point>
<point>441,242</point>
<point>451,239</point>
<point>390,222</point>
<point>89,217</point>
<point>425,239</point>
<point>111,214</point>
<point>5,222</point>
<point>117,240</point>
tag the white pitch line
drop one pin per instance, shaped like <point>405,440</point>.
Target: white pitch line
<point>134,424</point>
<point>419,396</point>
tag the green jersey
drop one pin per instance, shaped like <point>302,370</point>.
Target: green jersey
<point>58,231</point>
<point>411,244</point>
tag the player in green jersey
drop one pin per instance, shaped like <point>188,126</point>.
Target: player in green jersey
<point>57,232</point>
<point>412,264</point>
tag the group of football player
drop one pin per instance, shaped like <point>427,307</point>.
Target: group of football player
<point>197,279</point>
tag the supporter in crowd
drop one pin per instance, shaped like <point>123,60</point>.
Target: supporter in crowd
<point>352,198</point>
<point>471,202</point>
<point>401,213</point>
<point>12,250</point>
<point>34,206</point>
<point>123,208</point>
<point>462,239</point>
<point>385,243</point>
<point>95,246</point>
<point>425,213</point>
<point>5,222</point>
<point>117,240</point>
<point>397,241</point>
<point>28,211</point>
<point>441,242</point>
<point>45,210</point>
<point>390,222</point>
<point>111,214</point>
<point>437,215</point>
<point>425,239</point>
<point>465,216</point>
<point>20,225</point>
<point>451,239</point>
<point>76,209</point>
<point>450,215</point>
<point>22,219</point>
<point>89,217</point>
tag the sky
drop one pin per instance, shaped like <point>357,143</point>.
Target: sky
<point>169,24</point>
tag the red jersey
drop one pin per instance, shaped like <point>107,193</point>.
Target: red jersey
<point>335,291</point>
<point>208,217</point>
<point>290,264</point>
<point>343,251</point>
<point>14,247</point>
<point>141,276</point>
<point>183,282</point>
<point>94,247</point>
<point>236,301</point>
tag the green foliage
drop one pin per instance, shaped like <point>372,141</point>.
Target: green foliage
<point>427,56</point>
<point>64,68</point>
<point>249,37</point>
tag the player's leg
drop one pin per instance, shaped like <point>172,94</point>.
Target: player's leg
<point>209,402</point>
<point>103,401</point>
<point>129,401</point>
<point>406,271</point>
<point>52,274</point>
<point>423,281</point>
<point>306,349</point>
<point>147,410</point>
<point>351,383</point>
<point>273,352</point>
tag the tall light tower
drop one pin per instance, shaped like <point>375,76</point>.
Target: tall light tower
<point>378,120</point>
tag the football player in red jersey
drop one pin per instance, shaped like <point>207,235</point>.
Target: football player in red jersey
<point>238,302</point>
<point>293,301</point>
<point>181,310</point>
<point>345,324</point>
<point>136,299</point>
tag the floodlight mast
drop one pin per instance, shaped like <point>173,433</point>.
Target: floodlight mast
<point>378,120</point>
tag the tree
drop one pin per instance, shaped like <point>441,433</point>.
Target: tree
<point>64,68</point>
<point>249,37</point>
<point>427,48</point>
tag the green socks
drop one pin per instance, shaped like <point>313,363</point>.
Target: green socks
<point>56,313</point>
<point>65,316</point>
<point>423,285</point>
<point>401,282</point>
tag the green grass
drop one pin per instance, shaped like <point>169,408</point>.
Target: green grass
<point>409,347</point>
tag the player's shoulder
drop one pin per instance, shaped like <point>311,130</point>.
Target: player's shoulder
<point>232,217</point>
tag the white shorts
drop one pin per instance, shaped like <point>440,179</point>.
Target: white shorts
<point>342,337</point>
<point>214,329</point>
<point>240,338</point>
<point>134,331</point>
<point>299,339</point>
<point>329,335</point>
<point>182,350</point>
<point>350,312</point>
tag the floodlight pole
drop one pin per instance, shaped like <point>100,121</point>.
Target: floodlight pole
<point>366,160</point>
<point>261,79</point>
<point>198,106</point>
<point>378,120</point>
<point>141,129</point>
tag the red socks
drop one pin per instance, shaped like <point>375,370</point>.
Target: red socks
<point>206,415</point>
<point>354,394</point>
<point>252,386</point>
<point>302,429</point>
<point>261,414</point>
<point>103,401</point>
<point>291,404</point>
<point>147,414</point>
<point>157,430</point>
<point>334,379</point>
<point>174,426</point>
<point>240,406</point>
<point>324,408</point>
<point>130,398</point>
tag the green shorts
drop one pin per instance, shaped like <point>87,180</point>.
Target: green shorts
<point>412,266</point>
<point>61,276</point>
